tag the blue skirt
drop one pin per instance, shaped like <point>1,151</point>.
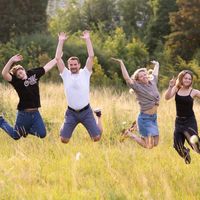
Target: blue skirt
<point>147,125</point>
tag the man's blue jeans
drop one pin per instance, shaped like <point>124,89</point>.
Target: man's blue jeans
<point>26,123</point>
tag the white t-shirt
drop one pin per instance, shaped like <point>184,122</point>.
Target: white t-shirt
<point>77,87</point>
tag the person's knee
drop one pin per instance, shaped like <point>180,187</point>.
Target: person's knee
<point>96,138</point>
<point>42,135</point>
<point>155,144</point>
<point>16,137</point>
<point>64,140</point>
<point>149,146</point>
<point>156,141</point>
<point>149,143</point>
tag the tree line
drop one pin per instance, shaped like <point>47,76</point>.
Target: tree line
<point>135,30</point>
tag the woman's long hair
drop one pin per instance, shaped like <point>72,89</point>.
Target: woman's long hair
<point>179,81</point>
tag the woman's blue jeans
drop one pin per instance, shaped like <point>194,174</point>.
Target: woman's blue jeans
<point>26,123</point>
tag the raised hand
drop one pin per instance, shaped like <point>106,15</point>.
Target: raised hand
<point>6,70</point>
<point>124,71</point>
<point>85,35</point>
<point>156,63</point>
<point>116,60</point>
<point>62,36</point>
<point>17,58</point>
<point>172,82</point>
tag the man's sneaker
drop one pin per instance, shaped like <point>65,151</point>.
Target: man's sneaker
<point>187,157</point>
<point>97,111</point>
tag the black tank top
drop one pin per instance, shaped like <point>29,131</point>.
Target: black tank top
<point>184,105</point>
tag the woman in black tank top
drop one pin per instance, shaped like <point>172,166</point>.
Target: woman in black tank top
<point>185,123</point>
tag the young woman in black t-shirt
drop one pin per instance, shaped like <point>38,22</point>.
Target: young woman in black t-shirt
<point>26,84</point>
<point>185,123</point>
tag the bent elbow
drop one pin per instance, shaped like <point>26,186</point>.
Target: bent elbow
<point>167,98</point>
<point>58,59</point>
<point>4,75</point>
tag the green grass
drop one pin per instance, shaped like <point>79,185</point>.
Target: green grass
<point>36,169</point>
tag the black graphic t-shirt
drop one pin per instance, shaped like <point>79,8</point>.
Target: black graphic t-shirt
<point>28,89</point>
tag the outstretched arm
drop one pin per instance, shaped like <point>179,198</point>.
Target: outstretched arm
<point>50,65</point>
<point>124,71</point>
<point>6,70</point>
<point>171,89</point>
<point>59,51</point>
<point>156,67</point>
<point>89,62</point>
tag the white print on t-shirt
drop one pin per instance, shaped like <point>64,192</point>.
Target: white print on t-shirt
<point>30,81</point>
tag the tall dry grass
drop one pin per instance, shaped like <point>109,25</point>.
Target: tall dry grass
<point>37,169</point>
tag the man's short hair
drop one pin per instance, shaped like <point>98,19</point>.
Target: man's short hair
<point>73,58</point>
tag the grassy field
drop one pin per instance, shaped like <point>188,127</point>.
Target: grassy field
<point>36,169</point>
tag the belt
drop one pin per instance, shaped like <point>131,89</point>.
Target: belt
<point>187,117</point>
<point>30,109</point>
<point>181,117</point>
<point>82,109</point>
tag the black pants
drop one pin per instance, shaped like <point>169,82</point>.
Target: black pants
<point>185,127</point>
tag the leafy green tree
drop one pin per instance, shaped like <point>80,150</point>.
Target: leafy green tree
<point>158,26</point>
<point>103,12</point>
<point>35,48</point>
<point>114,46</point>
<point>20,17</point>
<point>98,76</point>
<point>136,55</point>
<point>185,23</point>
<point>134,16</point>
<point>68,19</point>
<point>115,43</point>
